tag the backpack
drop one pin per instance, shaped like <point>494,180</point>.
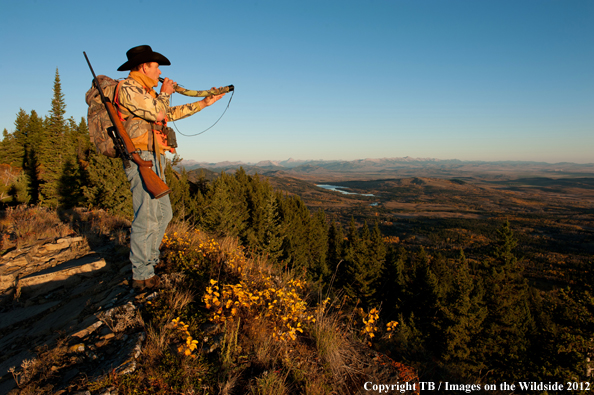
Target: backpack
<point>97,117</point>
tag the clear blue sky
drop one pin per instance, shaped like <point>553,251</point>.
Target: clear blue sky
<point>447,79</point>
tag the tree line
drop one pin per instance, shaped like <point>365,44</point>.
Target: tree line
<point>50,161</point>
<point>459,318</point>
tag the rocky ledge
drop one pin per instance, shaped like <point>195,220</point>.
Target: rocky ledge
<point>64,295</point>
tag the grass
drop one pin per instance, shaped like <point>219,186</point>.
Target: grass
<point>24,226</point>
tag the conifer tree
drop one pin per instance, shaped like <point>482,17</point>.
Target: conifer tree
<point>464,313</point>
<point>106,185</point>
<point>183,205</point>
<point>317,245</point>
<point>428,295</point>
<point>73,174</point>
<point>395,283</point>
<point>224,211</point>
<point>263,223</point>
<point>52,150</point>
<point>505,335</point>
<point>35,136</point>
<point>335,246</point>
<point>295,216</point>
<point>362,272</point>
<point>13,146</point>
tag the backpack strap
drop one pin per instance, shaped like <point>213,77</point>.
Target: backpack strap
<point>116,101</point>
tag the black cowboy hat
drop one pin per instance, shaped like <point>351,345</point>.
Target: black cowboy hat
<point>143,54</point>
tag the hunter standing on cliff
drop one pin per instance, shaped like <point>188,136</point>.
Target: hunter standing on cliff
<point>146,114</point>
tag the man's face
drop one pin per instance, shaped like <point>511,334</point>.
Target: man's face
<point>152,70</point>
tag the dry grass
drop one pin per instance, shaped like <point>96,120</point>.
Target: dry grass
<point>34,372</point>
<point>121,318</point>
<point>22,226</point>
<point>269,383</point>
<point>157,340</point>
<point>96,225</point>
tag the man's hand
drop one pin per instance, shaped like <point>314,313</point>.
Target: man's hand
<point>167,86</point>
<point>211,99</point>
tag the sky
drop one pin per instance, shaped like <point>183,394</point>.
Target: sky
<point>334,80</point>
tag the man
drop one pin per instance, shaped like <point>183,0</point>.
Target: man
<point>146,114</point>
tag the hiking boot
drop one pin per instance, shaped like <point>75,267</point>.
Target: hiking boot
<point>153,282</point>
<point>139,285</point>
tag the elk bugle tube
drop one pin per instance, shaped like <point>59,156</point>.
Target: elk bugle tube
<point>206,93</point>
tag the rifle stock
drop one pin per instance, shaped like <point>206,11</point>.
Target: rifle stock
<point>154,185</point>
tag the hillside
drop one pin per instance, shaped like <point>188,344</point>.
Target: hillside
<point>71,322</point>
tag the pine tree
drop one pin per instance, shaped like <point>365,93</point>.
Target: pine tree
<point>428,295</point>
<point>464,313</point>
<point>74,175</point>
<point>505,335</point>
<point>183,205</point>
<point>52,149</point>
<point>395,283</point>
<point>361,278</point>
<point>106,185</point>
<point>224,211</point>
<point>35,137</point>
<point>295,217</point>
<point>13,144</point>
<point>317,245</point>
<point>335,245</point>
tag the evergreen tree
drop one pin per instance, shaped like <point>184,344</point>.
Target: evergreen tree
<point>363,268</point>
<point>335,244</point>
<point>106,185</point>
<point>273,238</point>
<point>505,335</point>
<point>224,211</point>
<point>317,244</point>
<point>74,175</point>
<point>395,283</point>
<point>183,205</point>
<point>263,225</point>
<point>13,144</point>
<point>464,313</point>
<point>53,148</point>
<point>295,216</point>
<point>428,295</point>
<point>35,136</point>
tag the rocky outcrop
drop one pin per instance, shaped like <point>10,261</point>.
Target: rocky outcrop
<point>64,289</point>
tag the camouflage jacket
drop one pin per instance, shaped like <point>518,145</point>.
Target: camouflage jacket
<point>140,110</point>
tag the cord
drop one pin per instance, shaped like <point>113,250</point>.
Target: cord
<point>192,135</point>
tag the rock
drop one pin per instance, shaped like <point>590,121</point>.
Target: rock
<point>7,386</point>
<point>127,367</point>
<point>89,329</point>
<point>52,278</point>
<point>21,314</point>
<point>127,269</point>
<point>80,347</point>
<point>70,240</point>
<point>61,319</point>
<point>15,361</point>
<point>20,261</point>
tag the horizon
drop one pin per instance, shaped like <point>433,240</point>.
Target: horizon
<point>378,159</point>
<point>496,80</point>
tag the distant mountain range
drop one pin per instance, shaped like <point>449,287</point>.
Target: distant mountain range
<point>398,167</point>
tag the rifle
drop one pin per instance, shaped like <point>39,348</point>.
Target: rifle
<point>154,185</point>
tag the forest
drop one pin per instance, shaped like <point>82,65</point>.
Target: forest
<point>458,318</point>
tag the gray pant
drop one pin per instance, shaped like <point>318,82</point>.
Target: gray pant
<point>151,217</point>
